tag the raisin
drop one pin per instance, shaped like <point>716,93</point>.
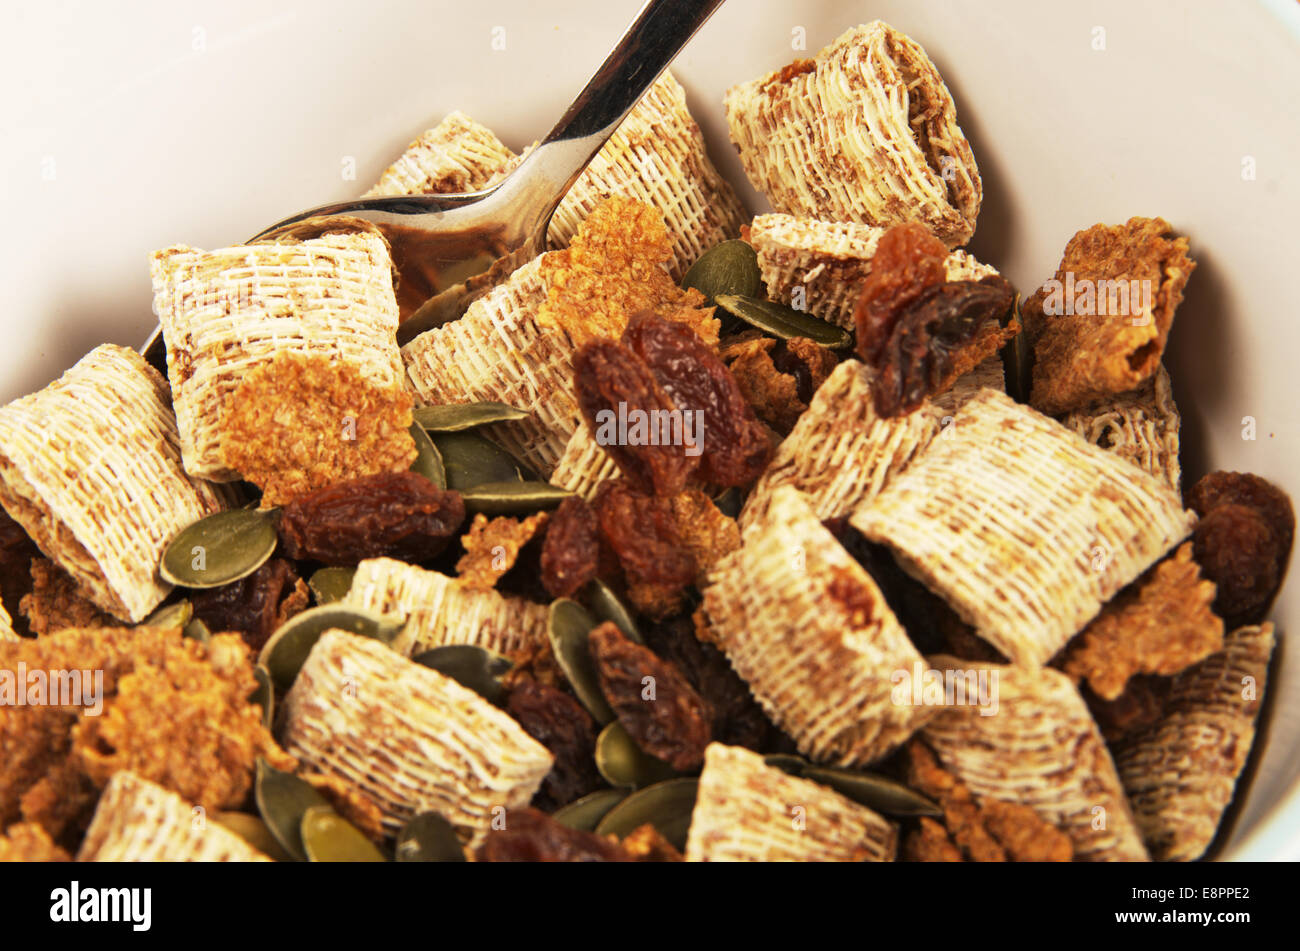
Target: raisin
<point>807,361</point>
<point>664,715</point>
<point>615,384</point>
<point>571,552</point>
<point>642,532</point>
<point>16,554</point>
<point>1242,542</point>
<point>559,723</point>
<point>530,835</point>
<point>250,606</point>
<point>735,446</point>
<point>737,720</point>
<point>395,514</point>
<point>908,260</point>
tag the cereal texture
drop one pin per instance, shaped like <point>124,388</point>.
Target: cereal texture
<point>90,467</point>
<point>866,132</point>
<point>1140,425</point>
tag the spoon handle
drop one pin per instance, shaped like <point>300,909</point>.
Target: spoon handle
<point>655,37</point>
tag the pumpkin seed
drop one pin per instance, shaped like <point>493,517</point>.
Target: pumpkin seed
<point>429,837</point>
<point>328,837</point>
<point>877,792</point>
<point>667,806</point>
<point>253,831</point>
<point>728,502</point>
<point>569,625</point>
<point>198,631</point>
<point>462,416</point>
<point>470,666</point>
<point>471,460</point>
<point>170,615</point>
<point>727,268</point>
<point>873,790</point>
<point>513,498</point>
<point>606,606</point>
<point>625,765</point>
<point>585,814</point>
<point>428,460</point>
<point>1018,360</point>
<point>784,322</point>
<point>329,585</point>
<point>286,651</point>
<point>282,799</point>
<point>220,548</point>
<point>264,695</point>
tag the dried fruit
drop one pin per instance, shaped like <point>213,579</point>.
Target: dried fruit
<point>653,700</point>
<point>532,836</point>
<point>614,384</point>
<point>642,531</point>
<point>559,723</point>
<point>571,551</point>
<point>253,606</point>
<point>398,514</point>
<point>735,445</point>
<point>1242,542</point>
<point>908,260</point>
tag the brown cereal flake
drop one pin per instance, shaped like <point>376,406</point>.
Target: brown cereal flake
<point>646,844</point>
<point>1161,625</point>
<point>300,423</point>
<point>1082,356</point>
<point>29,842</point>
<point>174,711</point>
<point>993,831</point>
<point>704,530</point>
<point>492,546</point>
<point>56,602</point>
<point>613,268</point>
<point>773,395</point>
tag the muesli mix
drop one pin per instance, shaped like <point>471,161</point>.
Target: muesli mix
<point>696,538</point>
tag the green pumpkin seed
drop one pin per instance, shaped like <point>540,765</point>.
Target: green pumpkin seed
<point>784,322</point>
<point>287,650</point>
<point>569,627</point>
<point>1018,360</point>
<point>727,268</point>
<point>585,814</point>
<point>877,792</point>
<point>873,790</point>
<point>513,498</point>
<point>264,695</point>
<point>196,630</point>
<point>728,502</point>
<point>429,837</point>
<point>472,460</point>
<point>253,831</point>
<point>428,460</point>
<point>282,799</point>
<point>606,606</point>
<point>462,416</point>
<point>329,585</point>
<point>667,806</point>
<point>220,548</point>
<point>624,765</point>
<point>470,666</point>
<point>328,837</point>
<point>170,615</point>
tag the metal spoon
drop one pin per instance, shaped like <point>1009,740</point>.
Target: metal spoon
<point>482,236</point>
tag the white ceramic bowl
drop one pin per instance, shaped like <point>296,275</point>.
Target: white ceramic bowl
<point>131,128</point>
